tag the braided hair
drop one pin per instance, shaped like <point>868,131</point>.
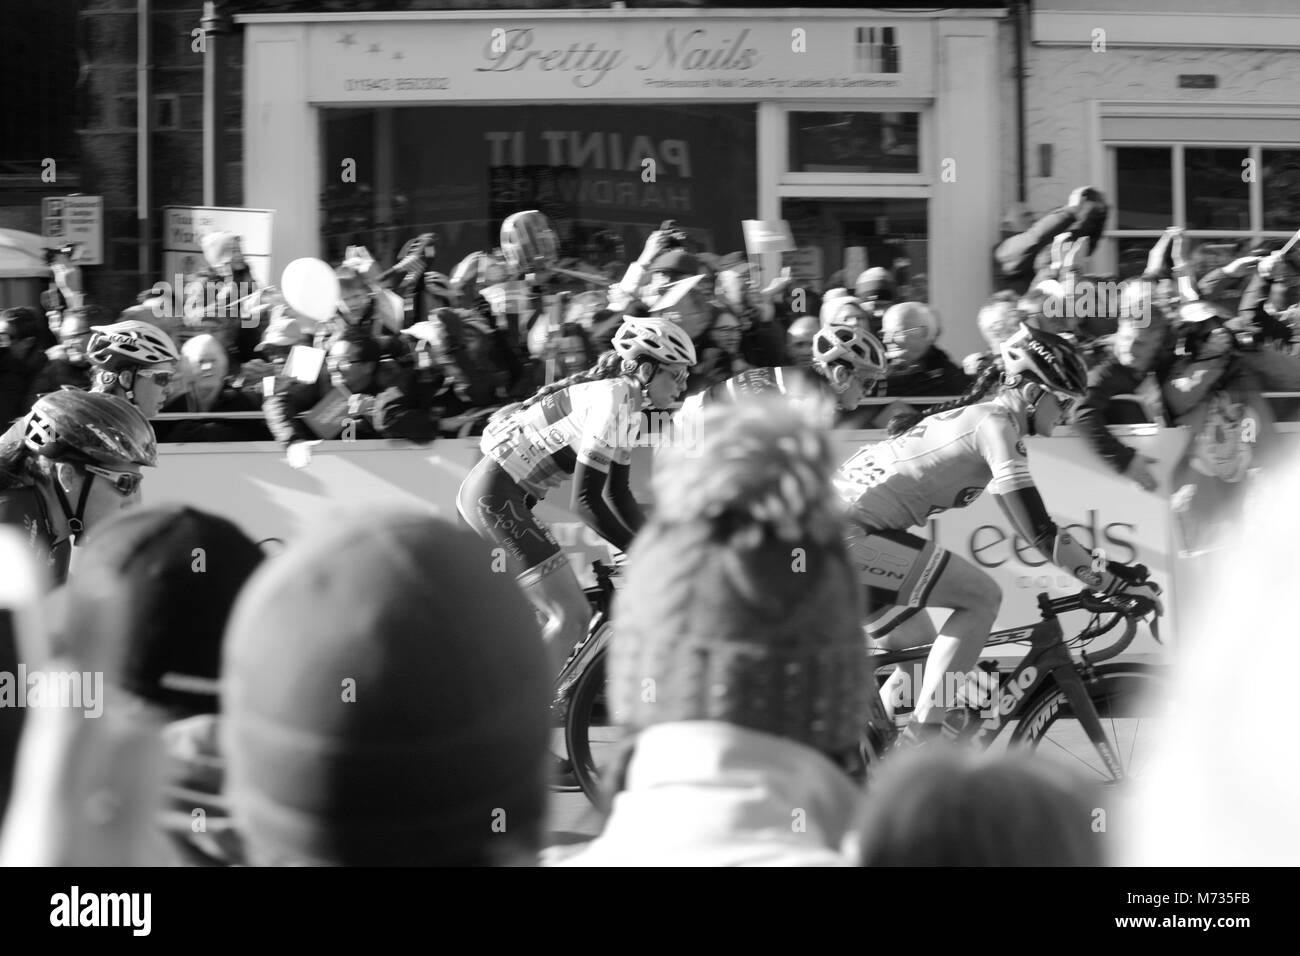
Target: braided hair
<point>989,377</point>
<point>610,365</point>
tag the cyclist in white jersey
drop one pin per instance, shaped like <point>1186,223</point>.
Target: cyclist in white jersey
<point>581,427</point>
<point>946,461</point>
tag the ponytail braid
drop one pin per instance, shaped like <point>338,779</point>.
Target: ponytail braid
<point>989,377</point>
<point>610,365</point>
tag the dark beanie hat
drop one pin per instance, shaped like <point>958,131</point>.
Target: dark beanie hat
<point>385,699</point>
<point>150,599</point>
<point>740,603</point>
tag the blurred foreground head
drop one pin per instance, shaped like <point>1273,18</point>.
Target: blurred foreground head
<point>740,602</point>
<point>1224,786</point>
<point>386,701</point>
<point>950,807</point>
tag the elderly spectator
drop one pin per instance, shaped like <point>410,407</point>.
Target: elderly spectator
<point>204,386</point>
<point>21,360</point>
<point>918,366</point>
<point>950,807</point>
<point>352,399</point>
<point>799,340</point>
<point>760,684</point>
<point>384,702</point>
<point>68,362</point>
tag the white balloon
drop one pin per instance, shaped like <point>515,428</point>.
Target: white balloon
<point>311,289</point>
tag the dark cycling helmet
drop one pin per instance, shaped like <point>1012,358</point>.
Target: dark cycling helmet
<point>851,344</point>
<point>528,242</point>
<point>89,427</point>
<point>1037,356</point>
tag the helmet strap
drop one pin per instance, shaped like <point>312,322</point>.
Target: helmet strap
<point>75,519</point>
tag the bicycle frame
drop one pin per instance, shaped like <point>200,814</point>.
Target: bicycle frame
<point>1048,662</point>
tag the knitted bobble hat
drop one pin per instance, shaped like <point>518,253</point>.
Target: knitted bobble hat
<point>740,603</point>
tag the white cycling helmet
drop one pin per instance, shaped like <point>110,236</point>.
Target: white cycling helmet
<point>851,344</point>
<point>659,339</point>
<point>129,344</point>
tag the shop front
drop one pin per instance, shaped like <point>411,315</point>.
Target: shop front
<point>872,135</point>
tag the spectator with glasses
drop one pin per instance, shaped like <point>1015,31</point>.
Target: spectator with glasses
<point>135,361</point>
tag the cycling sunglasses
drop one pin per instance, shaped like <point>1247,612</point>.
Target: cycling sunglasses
<point>1036,393</point>
<point>125,483</point>
<point>160,377</point>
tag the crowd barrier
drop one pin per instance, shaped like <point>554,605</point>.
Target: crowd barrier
<point>252,484</point>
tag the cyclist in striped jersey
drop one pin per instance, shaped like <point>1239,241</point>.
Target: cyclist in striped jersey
<point>582,427</point>
<point>847,362</point>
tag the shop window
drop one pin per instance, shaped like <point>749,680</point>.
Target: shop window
<point>1233,199</point>
<point>849,236</point>
<point>1216,195</point>
<point>604,175</point>
<point>1280,182</point>
<point>856,142</point>
<point>1144,190</point>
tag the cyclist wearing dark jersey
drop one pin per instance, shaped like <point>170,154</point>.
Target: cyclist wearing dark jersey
<point>73,446</point>
<point>946,461</point>
<point>582,427</point>
<point>847,361</point>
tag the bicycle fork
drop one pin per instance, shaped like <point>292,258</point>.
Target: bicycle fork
<point>1071,684</point>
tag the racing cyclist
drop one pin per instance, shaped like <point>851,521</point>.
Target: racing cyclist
<point>73,446</point>
<point>582,426</point>
<point>945,461</point>
<point>133,360</point>
<point>847,362</point>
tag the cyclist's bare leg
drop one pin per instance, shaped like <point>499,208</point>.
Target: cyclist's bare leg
<point>554,590</point>
<point>899,689</point>
<point>975,599</point>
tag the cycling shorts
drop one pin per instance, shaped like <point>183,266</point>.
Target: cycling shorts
<point>897,568</point>
<point>500,512</point>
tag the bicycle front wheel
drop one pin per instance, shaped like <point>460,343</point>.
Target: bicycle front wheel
<point>593,732</point>
<point>1130,702</point>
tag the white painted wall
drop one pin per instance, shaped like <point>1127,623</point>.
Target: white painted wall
<point>281,141</point>
<point>964,214</point>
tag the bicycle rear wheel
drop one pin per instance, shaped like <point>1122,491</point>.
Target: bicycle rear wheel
<point>1131,705</point>
<point>593,733</point>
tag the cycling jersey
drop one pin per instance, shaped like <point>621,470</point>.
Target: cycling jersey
<point>946,461</point>
<point>595,423</point>
<point>794,381</point>
<point>24,508</point>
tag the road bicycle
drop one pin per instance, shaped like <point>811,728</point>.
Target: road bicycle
<point>1060,700</point>
<point>573,715</point>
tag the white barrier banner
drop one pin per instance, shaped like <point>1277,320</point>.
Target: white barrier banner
<point>252,484</point>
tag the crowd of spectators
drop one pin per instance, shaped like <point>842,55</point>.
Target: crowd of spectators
<point>454,345</point>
